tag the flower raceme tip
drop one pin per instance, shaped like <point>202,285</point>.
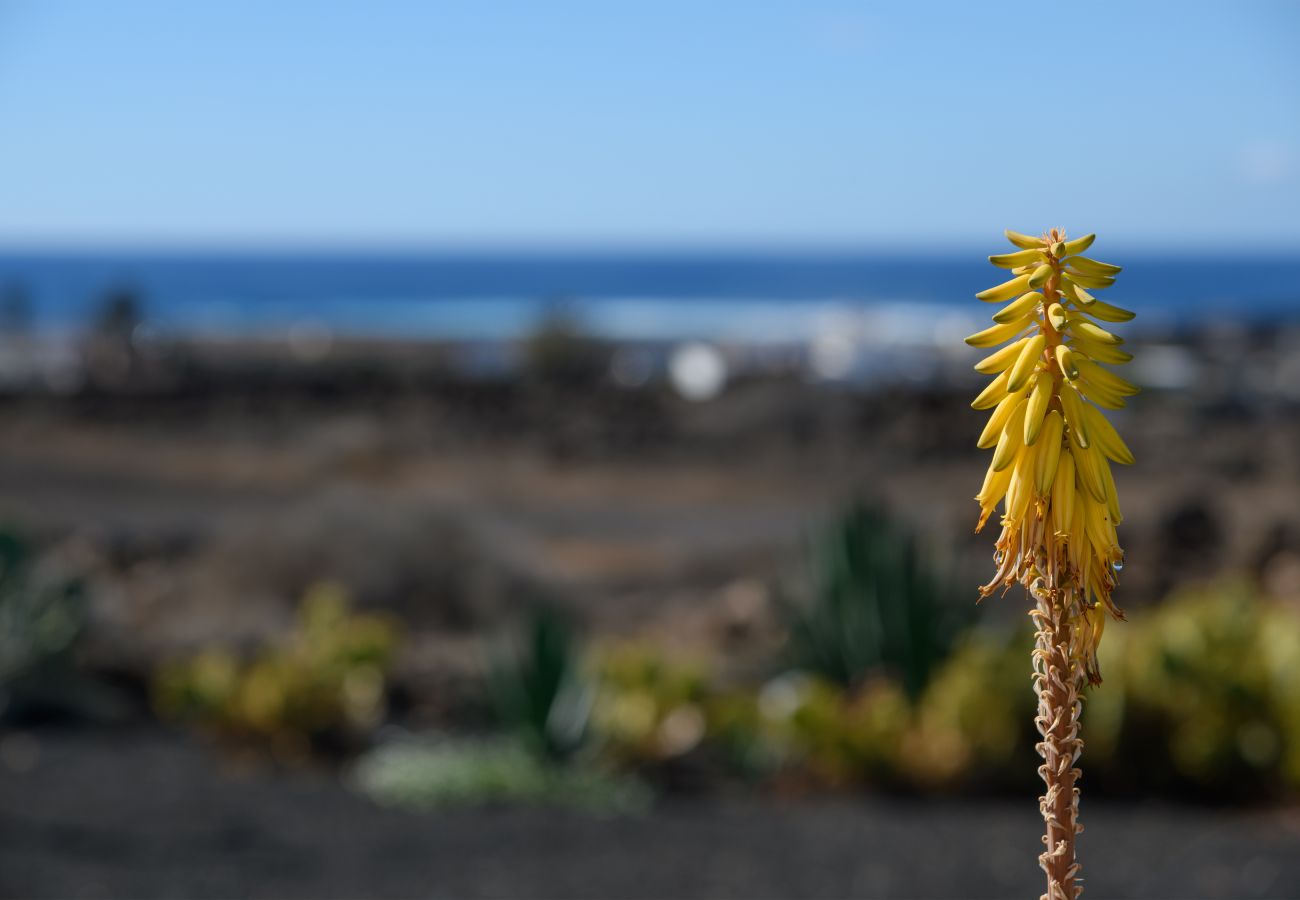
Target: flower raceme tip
<point>1052,444</point>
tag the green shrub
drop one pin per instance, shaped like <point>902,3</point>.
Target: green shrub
<point>975,720</point>
<point>1206,696</point>
<point>426,776</point>
<point>323,688</point>
<point>840,737</point>
<point>877,606</point>
<point>40,617</point>
<point>539,692</point>
<point>1201,699</point>
<point>876,734</point>
<point>648,708</point>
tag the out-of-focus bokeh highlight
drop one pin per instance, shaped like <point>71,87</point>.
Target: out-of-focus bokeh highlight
<point>506,452</point>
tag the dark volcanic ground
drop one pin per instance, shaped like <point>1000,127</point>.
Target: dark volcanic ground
<point>145,813</point>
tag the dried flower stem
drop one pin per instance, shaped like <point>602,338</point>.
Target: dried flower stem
<point>1058,682</point>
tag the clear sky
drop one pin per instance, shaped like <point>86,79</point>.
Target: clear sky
<point>683,124</point>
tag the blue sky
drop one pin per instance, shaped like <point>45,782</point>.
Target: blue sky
<point>671,124</point>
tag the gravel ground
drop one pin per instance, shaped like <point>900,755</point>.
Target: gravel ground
<point>143,813</point>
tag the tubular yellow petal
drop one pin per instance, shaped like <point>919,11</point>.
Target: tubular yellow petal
<point>1026,363</point>
<point>1036,408</point>
<point>992,395</point>
<point>1021,489</point>
<point>1078,245</point>
<point>1085,465</point>
<point>1095,374</point>
<point>1024,241</point>
<point>995,488</point>
<point>1108,312</point>
<point>1112,496</point>
<point>1066,359</point>
<point>1090,332</point>
<point>1024,305</point>
<point>1100,528</point>
<point>1083,279</point>
<point>1106,438</point>
<point>1040,276</point>
<point>1072,405</point>
<point>993,428</point>
<point>1063,494</point>
<point>1105,353</point>
<point>991,337</point>
<point>1011,439</point>
<point>1056,315</point>
<point>1080,549</point>
<point>1005,291</point>
<point>1075,294</point>
<point>1102,396</point>
<point>1019,258</point>
<point>1092,266</point>
<point>1001,360</point>
<point>1049,455</point>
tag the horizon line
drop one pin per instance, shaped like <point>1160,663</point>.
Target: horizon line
<point>794,247</point>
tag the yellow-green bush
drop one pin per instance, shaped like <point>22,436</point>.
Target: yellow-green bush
<point>647,708</point>
<point>1203,693</point>
<point>974,717</point>
<point>876,734</point>
<point>841,737</point>
<point>324,685</point>
<point>1201,698</point>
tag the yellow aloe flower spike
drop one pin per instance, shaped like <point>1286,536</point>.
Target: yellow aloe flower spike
<point>1052,450</point>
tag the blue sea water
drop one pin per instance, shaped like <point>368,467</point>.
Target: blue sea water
<point>770,296</point>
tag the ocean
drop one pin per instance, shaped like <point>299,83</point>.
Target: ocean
<point>480,296</point>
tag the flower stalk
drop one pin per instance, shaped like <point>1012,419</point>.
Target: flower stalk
<point>1050,471</point>
<point>1058,682</point>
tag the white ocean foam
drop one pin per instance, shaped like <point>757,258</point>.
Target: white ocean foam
<point>861,323</point>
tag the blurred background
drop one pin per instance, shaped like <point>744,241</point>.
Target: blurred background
<point>525,450</point>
